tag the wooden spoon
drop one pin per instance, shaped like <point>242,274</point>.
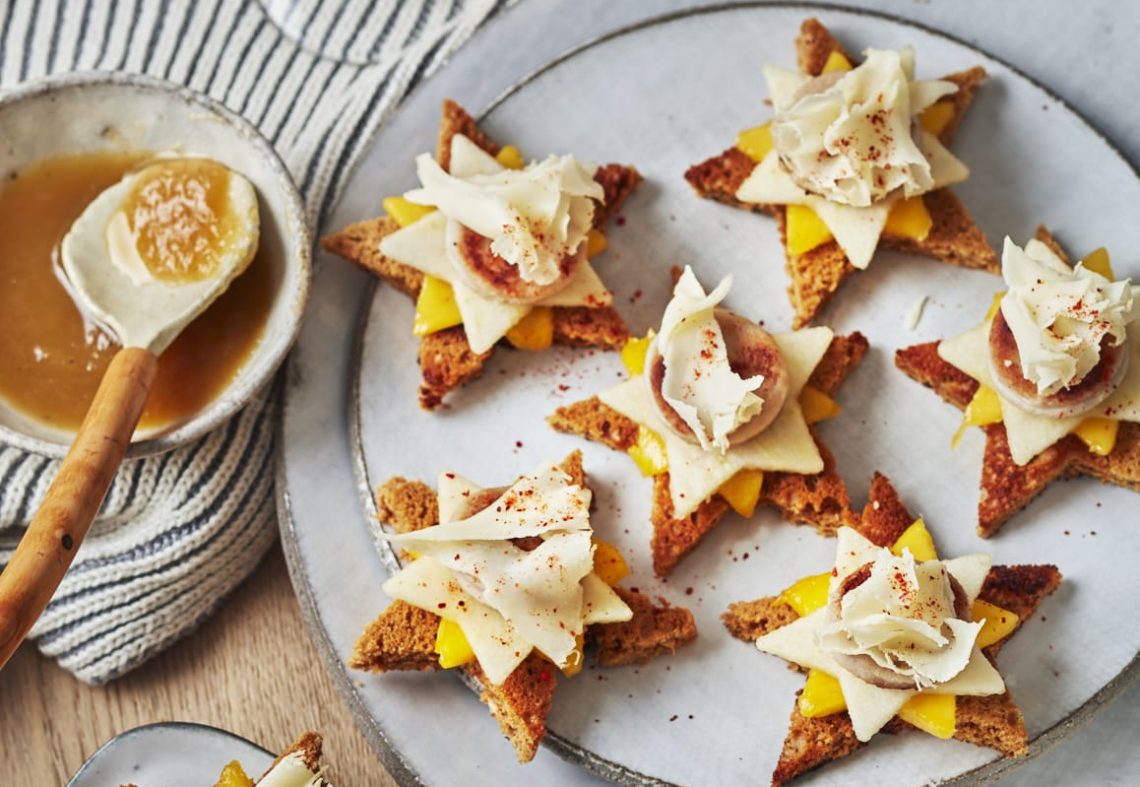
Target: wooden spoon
<point>145,314</point>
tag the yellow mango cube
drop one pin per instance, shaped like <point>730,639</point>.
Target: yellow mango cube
<point>805,229</point>
<point>807,595</point>
<point>836,61</point>
<point>932,713</point>
<point>909,218</point>
<point>821,696</point>
<point>984,409</point>
<point>609,565</point>
<point>233,775</point>
<point>405,212</point>
<point>510,157</point>
<point>995,305</point>
<point>742,491</point>
<point>1099,434</point>
<point>817,406</point>
<point>936,117</point>
<point>435,307</point>
<point>633,354</point>
<point>997,623</point>
<point>575,660</point>
<point>595,243</point>
<point>1098,262</point>
<point>648,453</point>
<point>535,331</point>
<point>756,142</point>
<point>917,539</point>
<point>452,646</point>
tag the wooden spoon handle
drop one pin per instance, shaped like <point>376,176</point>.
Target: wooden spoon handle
<point>73,499</point>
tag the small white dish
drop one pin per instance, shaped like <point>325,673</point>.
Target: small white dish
<point>169,754</point>
<point>97,111</point>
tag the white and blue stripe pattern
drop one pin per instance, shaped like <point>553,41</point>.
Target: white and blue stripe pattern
<point>179,531</point>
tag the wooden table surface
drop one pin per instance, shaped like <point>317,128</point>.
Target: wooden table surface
<point>230,673</point>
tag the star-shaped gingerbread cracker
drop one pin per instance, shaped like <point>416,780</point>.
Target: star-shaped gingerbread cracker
<point>407,637</point>
<point>447,357</point>
<point>1006,597</point>
<point>934,223</point>
<point>694,488</point>
<point>1105,446</point>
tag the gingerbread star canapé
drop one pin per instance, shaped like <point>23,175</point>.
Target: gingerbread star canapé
<point>854,159</point>
<point>496,252</point>
<point>1074,332</point>
<point>721,414</point>
<point>893,638</point>
<point>509,585</point>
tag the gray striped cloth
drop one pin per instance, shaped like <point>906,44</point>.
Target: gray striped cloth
<point>179,531</point>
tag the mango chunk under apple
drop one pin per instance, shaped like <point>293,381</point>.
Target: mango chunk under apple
<point>233,775</point>
<point>596,243</point>
<point>805,230</point>
<point>609,564</point>
<point>452,646</point>
<point>648,452</point>
<point>436,308</point>
<point>1098,261</point>
<point>756,142</point>
<point>1099,434</point>
<point>742,491</point>
<point>917,539</point>
<point>807,595</point>
<point>817,406</point>
<point>576,659</point>
<point>633,354</point>
<point>822,696</point>
<point>836,61</point>
<point>998,623</point>
<point>936,117</point>
<point>984,409</point>
<point>932,713</point>
<point>403,211</point>
<point>510,157</point>
<point>535,331</point>
<point>909,218</point>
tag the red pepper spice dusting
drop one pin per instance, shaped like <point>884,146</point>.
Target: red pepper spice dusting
<point>621,221</point>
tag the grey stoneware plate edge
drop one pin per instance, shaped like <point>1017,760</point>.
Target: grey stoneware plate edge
<point>254,758</point>
<point>512,21</point>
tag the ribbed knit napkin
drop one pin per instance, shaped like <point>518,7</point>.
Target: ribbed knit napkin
<point>317,77</point>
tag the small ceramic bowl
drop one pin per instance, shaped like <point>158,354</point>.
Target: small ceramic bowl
<point>96,111</point>
<point>173,754</point>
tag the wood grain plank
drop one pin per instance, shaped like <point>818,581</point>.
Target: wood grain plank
<point>232,673</point>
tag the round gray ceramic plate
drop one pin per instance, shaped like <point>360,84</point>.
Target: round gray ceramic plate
<point>171,754</point>
<point>663,95</point>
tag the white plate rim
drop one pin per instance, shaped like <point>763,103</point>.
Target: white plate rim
<point>402,771</point>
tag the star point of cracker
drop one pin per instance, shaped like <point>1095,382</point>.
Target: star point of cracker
<point>816,498</point>
<point>1007,486</point>
<point>993,720</point>
<point>447,360</point>
<point>403,637</point>
<point>815,275</point>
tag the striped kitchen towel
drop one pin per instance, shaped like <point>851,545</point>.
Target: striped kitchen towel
<point>317,77</point>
